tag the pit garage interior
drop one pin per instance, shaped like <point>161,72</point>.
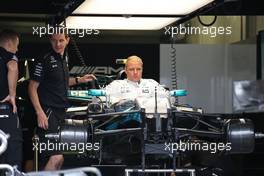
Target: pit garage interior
<point>220,65</point>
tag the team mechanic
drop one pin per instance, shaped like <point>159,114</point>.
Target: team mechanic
<point>48,87</point>
<point>9,122</point>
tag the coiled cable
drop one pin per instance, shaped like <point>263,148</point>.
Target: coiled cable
<point>77,51</point>
<point>173,70</point>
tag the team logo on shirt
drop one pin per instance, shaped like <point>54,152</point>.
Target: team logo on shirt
<point>145,90</point>
<point>53,62</point>
<point>38,69</point>
<point>125,89</point>
<point>52,59</point>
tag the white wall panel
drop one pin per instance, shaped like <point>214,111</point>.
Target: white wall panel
<point>208,71</point>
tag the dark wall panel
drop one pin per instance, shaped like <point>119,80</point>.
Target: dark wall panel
<point>102,55</point>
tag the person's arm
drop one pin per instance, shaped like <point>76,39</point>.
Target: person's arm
<point>12,76</point>
<point>83,79</point>
<point>113,91</point>
<point>164,90</point>
<point>33,94</point>
<point>161,88</point>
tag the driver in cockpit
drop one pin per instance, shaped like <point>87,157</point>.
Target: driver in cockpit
<point>134,85</point>
<point>134,91</point>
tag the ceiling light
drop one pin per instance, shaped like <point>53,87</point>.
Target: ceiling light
<point>118,23</point>
<point>148,7</point>
<point>131,14</point>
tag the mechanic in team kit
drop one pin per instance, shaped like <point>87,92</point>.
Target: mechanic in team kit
<point>48,92</point>
<point>9,121</point>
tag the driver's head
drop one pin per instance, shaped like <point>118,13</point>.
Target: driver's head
<point>134,68</point>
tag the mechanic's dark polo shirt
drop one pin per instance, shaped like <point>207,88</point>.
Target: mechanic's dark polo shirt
<point>5,57</point>
<point>52,73</point>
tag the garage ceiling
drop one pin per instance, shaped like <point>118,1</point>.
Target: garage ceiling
<point>22,15</point>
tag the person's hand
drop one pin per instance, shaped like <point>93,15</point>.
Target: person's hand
<point>42,120</point>
<point>12,101</point>
<point>87,78</point>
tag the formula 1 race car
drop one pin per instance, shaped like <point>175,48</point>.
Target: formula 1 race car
<point>152,133</point>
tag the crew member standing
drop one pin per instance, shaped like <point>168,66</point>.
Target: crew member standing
<point>48,92</point>
<point>9,122</point>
